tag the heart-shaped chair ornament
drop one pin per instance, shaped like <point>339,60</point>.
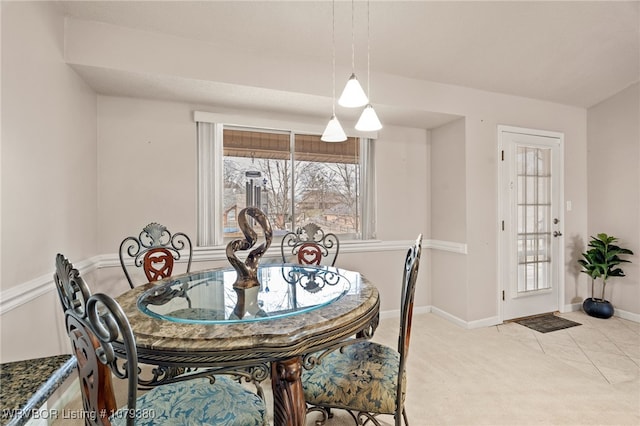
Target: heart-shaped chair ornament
<point>158,264</point>
<point>248,270</point>
<point>309,254</point>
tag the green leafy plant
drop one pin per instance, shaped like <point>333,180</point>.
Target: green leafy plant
<point>602,259</point>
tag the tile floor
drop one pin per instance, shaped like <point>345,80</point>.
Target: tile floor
<point>510,375</point>
<point>606,349</point>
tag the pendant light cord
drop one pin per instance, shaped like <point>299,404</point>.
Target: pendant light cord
<point>353,40</point>
<point>368,54</point>
<point>333,42</point>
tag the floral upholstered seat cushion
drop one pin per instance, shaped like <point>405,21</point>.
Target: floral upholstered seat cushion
<point>362,377</point>
<point>198,402</point>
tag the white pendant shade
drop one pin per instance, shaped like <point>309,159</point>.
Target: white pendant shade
<point>368,121</point>
<point>333,132</point>
<point>353,96</point>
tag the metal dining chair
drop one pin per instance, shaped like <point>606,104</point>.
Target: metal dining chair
<point>98,329</point>
<point>365,378</point>
<point>310,245</point>
<point>155,249</point>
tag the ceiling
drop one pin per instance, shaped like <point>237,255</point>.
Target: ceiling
<point>573,52</point>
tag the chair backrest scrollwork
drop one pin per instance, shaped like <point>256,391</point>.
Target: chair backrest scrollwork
<point>310,245</point>
<point>409,278</point>
<point>155,249</point>
<point>93,323</point>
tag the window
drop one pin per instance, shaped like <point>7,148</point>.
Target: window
<point>294,177</point>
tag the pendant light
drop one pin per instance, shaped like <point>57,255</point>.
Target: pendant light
<point>333,132</point>
<point>353,96</point>
<point>368,121</point>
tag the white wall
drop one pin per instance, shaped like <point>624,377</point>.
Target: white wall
<point>401,177</point>
<point>448,182</point>
<point>48,147</point>
<point>614,189</point>
<point>146,168</point>
<point>448,216</point>
<point>48,170</point>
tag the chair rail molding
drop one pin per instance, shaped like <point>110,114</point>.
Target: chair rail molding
<point>460,248</point>
<point>30,290</point>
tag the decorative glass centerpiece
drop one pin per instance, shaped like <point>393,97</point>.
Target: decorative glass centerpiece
<point>247,270</point>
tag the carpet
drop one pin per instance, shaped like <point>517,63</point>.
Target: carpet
<point>547,323</point>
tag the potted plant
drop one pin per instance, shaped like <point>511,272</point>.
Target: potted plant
<point>601,261</point>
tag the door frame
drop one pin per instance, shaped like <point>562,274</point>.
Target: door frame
<point>503,257</point>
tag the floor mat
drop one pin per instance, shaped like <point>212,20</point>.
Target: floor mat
<point>547,323</point>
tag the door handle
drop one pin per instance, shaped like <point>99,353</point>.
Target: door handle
<point>557,233</point>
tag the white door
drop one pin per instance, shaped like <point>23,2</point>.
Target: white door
<point>531,225</point>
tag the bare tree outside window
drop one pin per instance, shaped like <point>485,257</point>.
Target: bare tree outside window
<point>320,184</point>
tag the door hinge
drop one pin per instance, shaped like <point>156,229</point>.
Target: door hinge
<point>503,295</point>
<point>503,155</point>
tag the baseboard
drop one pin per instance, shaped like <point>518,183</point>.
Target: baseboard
<point>396,312</point>
<point>484,322</point>
<point>449,317</point>
<point>574,307</point>
<point>626,315</point>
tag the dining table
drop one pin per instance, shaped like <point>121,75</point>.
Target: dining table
<point>200,324</point>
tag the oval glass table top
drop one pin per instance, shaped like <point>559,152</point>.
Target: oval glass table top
<point>209,297</point>
<point>308,313</point>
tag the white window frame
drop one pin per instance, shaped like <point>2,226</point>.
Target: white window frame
<point>210,172</point>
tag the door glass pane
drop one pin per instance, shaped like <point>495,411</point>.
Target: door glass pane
<point>544,243</point>
<point>530,219</point>
<point>530,188</point>
<point>521,221</point>
<point>544,224</point>
<point>544,189</point>
<point>534,218</point>
<point>544,162</point>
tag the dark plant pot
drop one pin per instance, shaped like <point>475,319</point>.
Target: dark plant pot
<point>598,308</point>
